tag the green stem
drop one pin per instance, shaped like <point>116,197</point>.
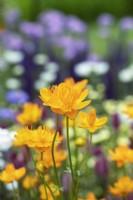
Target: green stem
<point>14,192</point>
<point>49,189</point>
<point>76,190</point>
<point>88,154</point>
<point>45,187</point>
<point>69,151</point>
<point>53,158</point>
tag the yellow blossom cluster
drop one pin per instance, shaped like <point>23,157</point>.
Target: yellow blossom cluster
<point>122,187</point>
<point>121,155</point>
<point>29,182</point>
<point>40,139</point>
<point>30,114</point>
<point>10,174</point>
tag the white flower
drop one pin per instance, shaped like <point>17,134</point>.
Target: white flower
<point>40,59</point>
<point>12,186</point>
<point>126,75</point>
<point>85,68</point>
<point>13,56</point>
<point>6,139</point>
<point>52,67</point>
<point>13,83</point>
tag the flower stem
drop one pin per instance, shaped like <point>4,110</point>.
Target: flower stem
<point>76,190</point>
<point>53,157</point>
<point>69,151</point>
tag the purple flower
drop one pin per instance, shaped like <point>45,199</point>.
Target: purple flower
<point>17,97</point>
<point>115,121</point>
<point>53,21</point>
<point>97,151</point>
<point>75,25</point>
<point>94,57</point>
<point>102,166</point>
<point>66,181</point>
<point>12,17</point>
<point>31,29</point>
<point>126,23</point>
<point>72,47</point>
<point>105,19</point>
<point>12,41</point>
<point>7,114</point>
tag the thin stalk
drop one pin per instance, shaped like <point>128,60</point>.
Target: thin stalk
<point>49,189</point>
<point>53,157</point>
<point>88,154</point>
<point>45,188</point>
<point>69,151</point>
<point>76,189</point>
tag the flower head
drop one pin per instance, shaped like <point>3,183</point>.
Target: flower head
<point>122,155</point>
<point>122,187</point>
<point>29,182</point>
<point>90,121</point>
<point>80,84</point>
<point>43,193</point>
<point>91,196</point>
<point>59,155</point>
<point>129,110</point>
<point>31,114</point>
<point>64,99</point>
<point>40,139</point>
<point>10,174</point>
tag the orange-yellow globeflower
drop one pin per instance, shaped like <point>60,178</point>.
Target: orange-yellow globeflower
<point>90,121</point>
<point>40,139</point>
<point>29,182</point>
<point>47,160</point>
<point>10,174</point>
<point>122,187</point>
<point>129,110</point>
<point>121,155</point>
<point>43,193</point>
<point>80,84</point>
<point>65,99</point>
<point>30,114</point>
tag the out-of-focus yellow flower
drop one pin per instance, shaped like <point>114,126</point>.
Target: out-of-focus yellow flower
<point>91,196</point>
<point>31,114</point>
<point>29,182</point>
<point>80,142</point>
<point>10,174</point>
<point>121,155</point>
<point>90,121</point>
<point>64,99</point>
<point>47,160</point>
<point>129,110</point>
<point>40,139</point>
<point>122,187</point>
<point>43,193</point>
<point>80,84</point>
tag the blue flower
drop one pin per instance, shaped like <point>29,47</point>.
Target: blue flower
<point>17,97</point>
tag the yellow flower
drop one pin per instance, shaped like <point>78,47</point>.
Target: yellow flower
<point>47,160</point>
<point>41,138</point>
<point>121,155</point>
<point>43,193</point>
<point>71,122</point>
<point>31,114</point>
<point>10,174</point>
<point>80,84</point>
<point>91,196</point>
<point>129,110</point>
<point>90,121</point>
<point>29,182</point>
<point>64,99</point>
<point>122,187</point>
<point>80,142</point>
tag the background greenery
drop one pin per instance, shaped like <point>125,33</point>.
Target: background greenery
<point>87,10</point>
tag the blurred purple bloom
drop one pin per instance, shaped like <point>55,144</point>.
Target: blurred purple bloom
<point>105,19</point>
<point>115,121</point>
<point>94,57</point>
<point>17,97</point>
<point>12,41</point>
<point>72,47</point>
<point>75,25</point>
<point>126,23</point>
<point>66,181</point>
<point>97,151</point>
<point>7,114</point>
<point>102,166</point>
<point>32,29</point>
<point>12,17</point>
<point>53,21</point>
